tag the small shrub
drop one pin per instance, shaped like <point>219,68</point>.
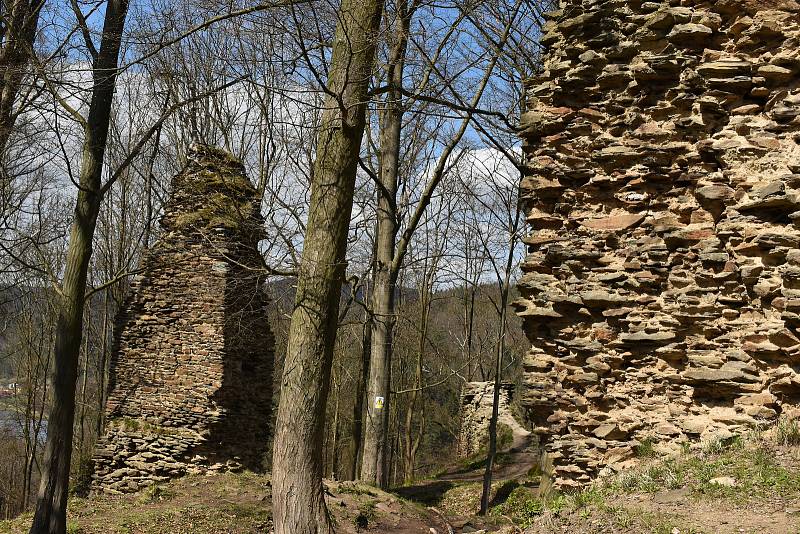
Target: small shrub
<point>590,497</point>
<point>522,506</point>
<point>788,431</point>
<point>83,477</point>
<point>366,513</point>
<point>505,436</point>
<point>535,471</point>
<point>645,448</point>
<point>718,445</point>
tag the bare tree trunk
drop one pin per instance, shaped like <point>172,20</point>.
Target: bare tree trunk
<point>469,320</point>
<point>373,468</point>
<point>416,390</point>
<point>358,404</point>
<point>501,347</point>
<point>82,398</point>
<point>101,369</point>
<point>513,210</point>
<point>51,505</point>
<point>298,497</point>
<point>335,437</point>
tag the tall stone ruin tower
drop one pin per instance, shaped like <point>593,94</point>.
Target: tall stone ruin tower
<point>661,290</point>
<point>191,369</point>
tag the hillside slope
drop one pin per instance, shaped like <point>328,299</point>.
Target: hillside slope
<point>741,485</point>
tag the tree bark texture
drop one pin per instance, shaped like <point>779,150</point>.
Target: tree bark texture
<point>374,467</point>
<point>298,496</point>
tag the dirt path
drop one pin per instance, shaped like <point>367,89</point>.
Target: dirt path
<point>513,464</point>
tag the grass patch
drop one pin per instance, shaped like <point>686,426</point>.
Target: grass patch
<point>669,474</point>
<point>353,488</point>
<point>754,468</point>
<point>646,521</point>
<point>645,448</point>
<point>524,505</point>
<point>155,493</point>
<point>787,431</point>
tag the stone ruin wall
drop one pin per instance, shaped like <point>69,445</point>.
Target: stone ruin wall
<point>191,369</point>
<point>661,287</point>
<point>477,399</point>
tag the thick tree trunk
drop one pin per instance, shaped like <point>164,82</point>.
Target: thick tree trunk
<point>374,468</point>
<point>298,497</point>
<point>51,505</point>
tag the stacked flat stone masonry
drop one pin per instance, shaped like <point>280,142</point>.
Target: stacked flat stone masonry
<point>477,399</point>
<point>661,287</point>
<point>191,369</point>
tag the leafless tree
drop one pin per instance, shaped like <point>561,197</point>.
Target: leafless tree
<point>298,498</point>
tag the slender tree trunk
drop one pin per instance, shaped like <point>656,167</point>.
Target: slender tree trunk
<point>51,505</point>
<point>498,373</point>
<point>373,470</point>
<point>298,497</point>
<point>505,284</point>
<point>101,370</point>
<point>358,404</point>
<point>416,389</point>
<point>373,467</point>
<point>335,438</point>
<point>470,328</point>
<point>82,398</point>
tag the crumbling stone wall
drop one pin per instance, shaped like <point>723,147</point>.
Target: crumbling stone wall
<point>476,413</point>
<point>661,290</point>
<point>191,369</point>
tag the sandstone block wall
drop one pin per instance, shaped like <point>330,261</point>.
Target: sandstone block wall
<point>661,289</point>
<point>191,369</point>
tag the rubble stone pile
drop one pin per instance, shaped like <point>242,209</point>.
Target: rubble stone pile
<point>661,287</point>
